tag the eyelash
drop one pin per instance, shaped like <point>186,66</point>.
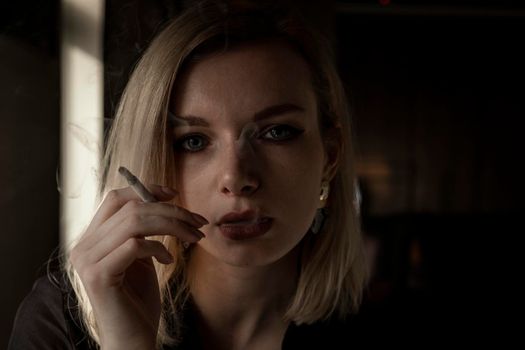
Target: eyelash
<point>294,132</point>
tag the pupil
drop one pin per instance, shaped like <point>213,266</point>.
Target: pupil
<point>194,142</point>
<point>278,132</point>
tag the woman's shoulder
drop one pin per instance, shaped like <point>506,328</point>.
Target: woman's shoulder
<point>46,318</point>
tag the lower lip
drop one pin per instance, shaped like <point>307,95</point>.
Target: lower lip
<point>245,231</point>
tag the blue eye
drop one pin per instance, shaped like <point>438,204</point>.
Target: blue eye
<point>281,133</point>
<point>191,143</point>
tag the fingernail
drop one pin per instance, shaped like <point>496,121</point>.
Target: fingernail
<point>201,219</point>
<point>169,191</point>
<point>199,234</point>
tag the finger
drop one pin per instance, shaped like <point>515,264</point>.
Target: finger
<point>139,227</point>
<point>114,265</point>
<point>116,199</point>
<point>113,202</point>
<point>163,209</point>
<point>134,210</point>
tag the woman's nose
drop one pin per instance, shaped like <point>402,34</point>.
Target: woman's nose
<point>239,175</point>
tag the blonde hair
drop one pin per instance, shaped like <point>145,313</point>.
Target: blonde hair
<point>332,274</point>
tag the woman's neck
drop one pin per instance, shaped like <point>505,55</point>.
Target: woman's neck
<point>236,305</point>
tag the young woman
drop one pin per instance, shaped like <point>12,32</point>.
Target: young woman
<point>235,120</point>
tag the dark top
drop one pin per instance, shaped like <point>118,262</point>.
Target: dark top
<point>47,319</point>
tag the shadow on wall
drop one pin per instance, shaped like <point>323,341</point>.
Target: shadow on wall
<point>29,149</point>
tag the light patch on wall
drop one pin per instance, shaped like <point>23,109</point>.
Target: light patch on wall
<point>81,113</point>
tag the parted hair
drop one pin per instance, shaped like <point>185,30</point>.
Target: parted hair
<point>332,267</point>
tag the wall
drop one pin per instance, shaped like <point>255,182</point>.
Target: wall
<point>29,149</point>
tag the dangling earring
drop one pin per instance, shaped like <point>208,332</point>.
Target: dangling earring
<point>320,217</point>
<point>322,212</point>
<point>325,190</point>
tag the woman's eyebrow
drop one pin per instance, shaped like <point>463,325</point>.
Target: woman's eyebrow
<point>268,112</point>
<point>276,110</point>
<point>185,120</point>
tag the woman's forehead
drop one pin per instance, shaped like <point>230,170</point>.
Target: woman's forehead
<point>267,70</point>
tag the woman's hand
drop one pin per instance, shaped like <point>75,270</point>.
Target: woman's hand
<point>114,261</point>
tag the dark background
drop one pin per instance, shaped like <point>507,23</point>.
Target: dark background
<point>436,90</point>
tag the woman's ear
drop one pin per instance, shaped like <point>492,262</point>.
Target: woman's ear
<point>333,152</point>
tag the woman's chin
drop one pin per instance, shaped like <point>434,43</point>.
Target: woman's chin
<point>247,254</point>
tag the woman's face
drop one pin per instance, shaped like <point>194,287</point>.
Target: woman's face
<point>277,173</point>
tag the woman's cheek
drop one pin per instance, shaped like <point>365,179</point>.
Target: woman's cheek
<point>191,175</point>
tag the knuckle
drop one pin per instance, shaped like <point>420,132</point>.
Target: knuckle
<point>183,214</point>
<point>179,211</point>
<point>176,225</point>
<point>89,275</point>
<point>134,222</point>
<point>164,221</point>
<point>78,262</point>
<point>132,245</point>
<point>113,196</point>
<point>76,258</point>
<point>73,256</point>
<point>132,207</point>
<point>167,206</point>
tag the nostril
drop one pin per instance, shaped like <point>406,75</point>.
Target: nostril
<point>237,190</point>
<point>247,189</point>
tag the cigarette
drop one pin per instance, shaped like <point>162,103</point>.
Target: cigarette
<point>136,185</point>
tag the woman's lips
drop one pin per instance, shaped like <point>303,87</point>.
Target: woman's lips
<point>246,229</point>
